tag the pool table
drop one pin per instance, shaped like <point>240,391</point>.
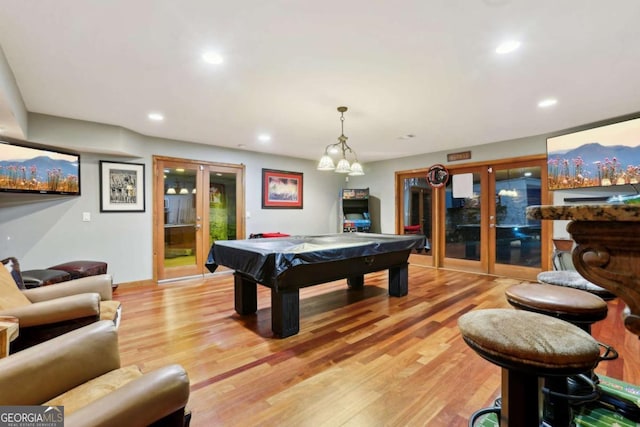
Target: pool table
<point>286,264</point>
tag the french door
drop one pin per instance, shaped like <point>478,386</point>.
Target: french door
<point>195,204</point>
<point>482,225</point>
<point>416,209</point>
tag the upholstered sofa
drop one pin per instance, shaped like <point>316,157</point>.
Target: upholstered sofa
<point>49,311</point>
<point>81,371</point>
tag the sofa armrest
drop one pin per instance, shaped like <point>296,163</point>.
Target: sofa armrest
<point>56,310</point>
<point>44,371</point>
<point>153,396</point>
<point>100,284</point>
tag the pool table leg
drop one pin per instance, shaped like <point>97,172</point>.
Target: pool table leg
<point>285,312</point>
<point>399,280</point>
<point>245,294</point>
<point>355,282</point>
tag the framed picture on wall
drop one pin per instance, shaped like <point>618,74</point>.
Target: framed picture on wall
<point>281,189</point>
<point>121,187</point>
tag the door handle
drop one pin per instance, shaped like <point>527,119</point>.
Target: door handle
<point>197,226</point>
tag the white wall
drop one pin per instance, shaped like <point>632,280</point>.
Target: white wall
<point>380,176</point>
<point>13,113</point>
<point>42,231</point>
<point>45,230</point>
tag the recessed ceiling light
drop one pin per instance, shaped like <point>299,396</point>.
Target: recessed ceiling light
<point>212,58</point>
<point>507,47</point>
<point>264,138</point>
<point>547,102</point>
<point>156,117</point>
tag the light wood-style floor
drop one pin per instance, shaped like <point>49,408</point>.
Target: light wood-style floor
<point>361,358</point>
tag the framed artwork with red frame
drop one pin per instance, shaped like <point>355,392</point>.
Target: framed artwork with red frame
<point>281,189</point>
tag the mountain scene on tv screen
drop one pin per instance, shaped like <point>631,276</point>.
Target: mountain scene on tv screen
<point>593,165</point>
<point>39,174</point>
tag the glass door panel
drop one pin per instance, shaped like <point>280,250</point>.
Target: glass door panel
<point>222,206</point>
<point>484,228</point>
<point>195,204</point>
<point>417,199</point>
<point>181,220</point>
<point>518,239</point>
<point>462,223</point>
<point>487,230</point>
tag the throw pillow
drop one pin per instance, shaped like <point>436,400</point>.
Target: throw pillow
<point>13,267</point>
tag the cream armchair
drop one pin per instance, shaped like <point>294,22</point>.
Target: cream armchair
<point>100,284</point>
<point>49,311</point>
<point>81,371</point>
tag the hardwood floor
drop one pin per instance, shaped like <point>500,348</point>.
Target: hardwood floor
<point>361,358</point>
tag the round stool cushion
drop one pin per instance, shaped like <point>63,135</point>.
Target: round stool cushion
<point>573,279</point>
<point>572,305</point>
<point>529,342</point>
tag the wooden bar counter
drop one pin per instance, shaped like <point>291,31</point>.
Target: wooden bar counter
<point>607,250</point>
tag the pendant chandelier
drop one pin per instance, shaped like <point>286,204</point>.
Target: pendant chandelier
<point>341,147</point>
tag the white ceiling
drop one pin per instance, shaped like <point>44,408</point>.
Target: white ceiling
<point>421,67</point>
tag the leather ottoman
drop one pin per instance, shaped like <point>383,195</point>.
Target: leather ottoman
<point>37,278</point>
<point>78,269</point>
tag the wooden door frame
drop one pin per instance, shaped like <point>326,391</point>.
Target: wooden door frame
<point>158,204</point>
<point>422,259</point>
<point>546,234</point>
<point>438,202</point>
<point>481,266</point>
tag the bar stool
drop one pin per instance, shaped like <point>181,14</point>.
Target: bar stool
<point>573,279</point>
<point>572,305</point>
<point>529,346</point>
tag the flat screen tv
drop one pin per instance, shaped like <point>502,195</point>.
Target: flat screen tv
<point>26,167</point>
<point>601,156</point>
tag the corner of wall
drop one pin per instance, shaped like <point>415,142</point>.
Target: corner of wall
<point>13,112</point>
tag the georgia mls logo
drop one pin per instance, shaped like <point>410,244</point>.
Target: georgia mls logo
<point>31,416</point>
